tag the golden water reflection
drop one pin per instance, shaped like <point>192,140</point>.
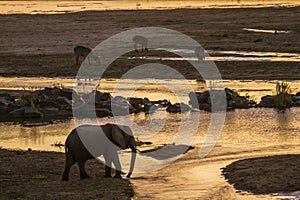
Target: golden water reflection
<point>54,7</point>
<point>151,88</point>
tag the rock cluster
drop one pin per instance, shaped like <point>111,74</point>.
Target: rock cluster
<point>233,100</point>
<point>280,101</point>
<point>58,103</point>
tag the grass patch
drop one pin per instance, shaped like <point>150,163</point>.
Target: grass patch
<point>283,98</point>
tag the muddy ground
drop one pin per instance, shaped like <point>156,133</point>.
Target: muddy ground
<point>265,175</point>
<point>37,175</point>
<point>42,45</point>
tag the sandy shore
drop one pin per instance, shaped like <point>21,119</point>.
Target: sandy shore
<point>265,175</point>
<point>42,45</point>
<point>37,175</point>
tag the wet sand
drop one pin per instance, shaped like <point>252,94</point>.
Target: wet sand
<point>264,175</point>
<point>42,45</point>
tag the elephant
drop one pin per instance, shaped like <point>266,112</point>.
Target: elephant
<point>112,138</point>
<point>85,52</point>
<point>199,51</point>
<point>81,51</point>
<point>140,41</point>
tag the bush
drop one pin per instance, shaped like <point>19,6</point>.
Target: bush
<point>28,98</point>
<point>283,98</point>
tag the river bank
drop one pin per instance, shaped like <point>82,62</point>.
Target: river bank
<point>37,175</point>
<point>42,45</point>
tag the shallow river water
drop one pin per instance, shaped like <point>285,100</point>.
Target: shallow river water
<point>53,6</point>
<point>246,133</point>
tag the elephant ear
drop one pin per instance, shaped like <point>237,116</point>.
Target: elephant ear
<point>118,137</point>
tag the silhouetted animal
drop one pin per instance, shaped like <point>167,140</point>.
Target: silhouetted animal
<point>140,41</point>
<point>81,51</point>
<point>199,52</point>
<point>113,138</point>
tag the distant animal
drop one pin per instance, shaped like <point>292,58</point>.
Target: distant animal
<point>113,138</point>
<point>140,41</point>
<point>199,52</point>
<point>81,51</point>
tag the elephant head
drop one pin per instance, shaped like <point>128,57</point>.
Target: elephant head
<point>122,135</point>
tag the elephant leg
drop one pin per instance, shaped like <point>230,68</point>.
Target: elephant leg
<point>117,164</point>
<point>69,162</point>
<point>77,60</point>
<point>83,173</point>
<point>135,47</point>
<point>142,47</point>
<point>107,166</point>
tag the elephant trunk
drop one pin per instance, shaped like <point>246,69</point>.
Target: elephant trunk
<point>132,162</point>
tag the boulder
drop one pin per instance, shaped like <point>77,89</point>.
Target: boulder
<point>233,100</point>
<point>99,96</point>
<point>26,112</point>
<point>49,111</point>
<point>267,101</point>
<point>67,92</point>
<point>138,103</point>
<point>150,108</point>
<point>163,103</point>
<point>103,112</point>
<point>178,108</point>
<point>7,100</point>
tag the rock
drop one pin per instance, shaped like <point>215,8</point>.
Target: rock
<point>138,103</point>
<point>150,108</point>
<point>296,97</point>
<point>46,91</point>
<point>7,103</point>
<point>63,101</point>
<point>267,101</point>
<point>56,91</point>
<point>233,100</point>
<point>7,99</point>
<point>64,113</point>
<point>296,100</point>
<point>296,103</point>
<point>121,105</point>
<point>120,110</point>
<point>67,92</point>
<point>50,111</point>
<point>178,108</point>
<point>205,106</point>
<point>163,103</point>
<point>103,112</point>
<point>99,96</point>
<point>26,112</point>
<point>18,113</point>
<point>30,112</point>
